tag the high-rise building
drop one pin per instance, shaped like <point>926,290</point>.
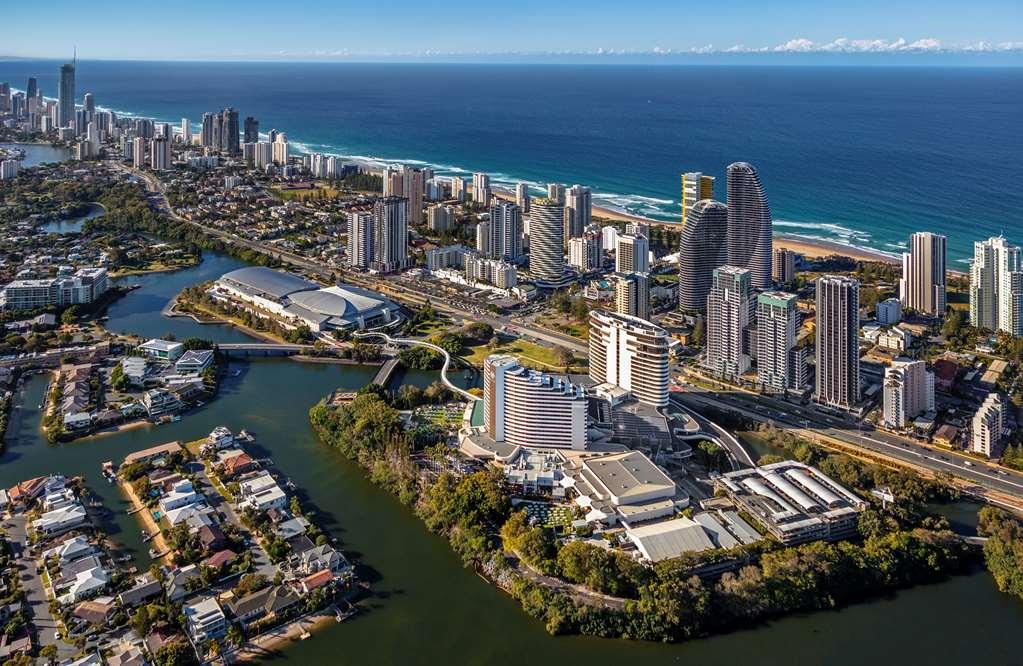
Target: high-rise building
<point>988,424</point>
<point>8,169</point>
<point>481,189</point>
<point>280,149</point>
<point>413,183</point>
<point>186,131</point>
<point>218,132</point>
<point>729,307</point>
<point>556,192</point>
<point>505,233</point>
<point>777,322</point>
<point>996,286</point>
<point>159,153</point>
<point>88,102</point>
<point>783,268</point>
<point>66,95</point>
<point>908,392</point>
<point>632,254</point>
<point>581,254</point>
<point>630,353</point>
<point>702,248</point>
<point>579,210</point>
<point>838,353</point>
<point>251,130</point>
<point>527,408</point>
<point>5,97</point>
<point>632,294</point>
<point>32,89</point>
<point>229,132</point>
<point>439,217</point>
<point>695,187</point>
<point>138,154</point>
<point>264,155</point>
<point>546,237</point>
<point>459,186</point>
<point>922,286</point>
<point>206,135</point>
<point>390,234</point>
<point>360,239</point>
<point>522,197</point>
<point>750,232</point>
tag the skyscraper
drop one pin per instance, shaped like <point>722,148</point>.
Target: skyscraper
<point>413,186</point>
<point>186,131</point>
<point>505,240</point>
<point>89,103</point>
<point>66,95</point>
<point>360,239</point>
<point>481,189</point>
<point>390,234</point>
<point>251,130</point>
<point>631,353</point>
<point>922,286</point>
<point>729,307</point>
<point>280,149</point>
<point>695,187</point>
<point>229,132</point>
<point>783,268</point>
<point>206,136</point>
<point>546,238</point>
<point>749,224</point>
<point>838,353</point>
<point>522,197</point>
<point>777,322</point>
<point>632,255</point>
<point>996,286</point>
<point>632,294</point>
<point>32,89</point>
<point>159,153</point>
<point>556,192</point>
<point>138,153</point>
<point>702,248</point>
<point>579,206</point>
<point>5,97</point>
<point>908,392</point>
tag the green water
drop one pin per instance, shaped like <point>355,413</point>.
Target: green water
<point>426,609</point>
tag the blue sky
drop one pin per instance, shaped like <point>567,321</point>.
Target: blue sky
<point>261,29</point>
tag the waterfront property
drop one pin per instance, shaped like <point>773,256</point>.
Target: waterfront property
<point>295,301</point>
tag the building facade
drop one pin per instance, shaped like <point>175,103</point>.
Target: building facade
<point>750,232</point>
<point>631,353</point>
<point>987,426</point>
<point>838,354</point>
<point>729,307</point>
<point>702,248</point>
<point>546,238</point>
<point>922,286</point>
<point>777,322</point>
<point>695,187</point>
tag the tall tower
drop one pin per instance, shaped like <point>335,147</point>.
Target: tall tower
<point>749,224</point>
<point>922,286</point>
<point>480,189</point>
<point>630,353</point>
<point>546,239</point>
<point>66,94</point>
<point>702,248</point>
<point>360,239</point>
<point>251,130</point>
<point>632,255</point>
<point>777,321</point>
<point>695,187</point>
<point>632,294</point>
<point>579,201</point>
<point>390,234</point>
<point>522,197</point>
<point>32,90</point>
<point>996,286</point>
<point>838,353</point>
<point>728,319</point>
<point>505,240</point>
<point>229,132</point>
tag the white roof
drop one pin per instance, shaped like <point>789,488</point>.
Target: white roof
<point>670,538</point>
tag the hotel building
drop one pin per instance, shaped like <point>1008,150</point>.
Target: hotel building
<point>695,187</point>
<point>838,353</point>
<point>922,286</point>
<point>630,353</point>
<point>702,248</point>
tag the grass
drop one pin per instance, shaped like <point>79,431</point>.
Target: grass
<point>289,195</point>
<point>529,353</point>
<point>549,515</point>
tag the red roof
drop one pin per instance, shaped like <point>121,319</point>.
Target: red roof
<point>945,369</point>
<point>318,579</point>
<point>220,558</point>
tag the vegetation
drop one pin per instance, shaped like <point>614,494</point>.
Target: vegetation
<point>420,358</point>
<point>1003,551</point>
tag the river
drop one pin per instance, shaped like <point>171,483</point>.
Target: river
<point>39,153</point>
<point>425,608</point>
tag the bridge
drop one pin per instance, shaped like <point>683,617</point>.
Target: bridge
<point>724,439</point>
<point>429,345</point>
<point>386,371</point>
<point>263,349</point>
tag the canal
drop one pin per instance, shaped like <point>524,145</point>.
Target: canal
<point>425,608</point>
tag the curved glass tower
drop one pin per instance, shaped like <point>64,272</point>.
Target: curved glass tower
<point>702,248</point>
<point>749,224</point>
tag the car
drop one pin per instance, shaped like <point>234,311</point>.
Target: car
<point>56,635</point>
<point>968,463</point>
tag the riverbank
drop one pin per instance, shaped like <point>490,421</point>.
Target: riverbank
<point>267,644</point>
<point>144,515</point>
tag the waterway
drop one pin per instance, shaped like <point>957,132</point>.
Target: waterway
<point>425,608</point>
<point>73,225</point>
<point>39,153</point>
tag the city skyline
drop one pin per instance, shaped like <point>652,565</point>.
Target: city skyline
<point>603,29</point>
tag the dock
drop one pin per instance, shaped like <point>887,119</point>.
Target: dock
<point>386,372</point>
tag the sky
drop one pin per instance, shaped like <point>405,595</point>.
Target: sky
<point>342,29</point>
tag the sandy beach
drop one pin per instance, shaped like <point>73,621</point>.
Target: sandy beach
<point>265,644</point>
<point>150,526</point>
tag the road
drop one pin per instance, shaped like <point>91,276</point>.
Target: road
<point>392,286</point>
<point>805,418</point>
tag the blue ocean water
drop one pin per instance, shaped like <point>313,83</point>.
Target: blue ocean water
<point>860,155</point>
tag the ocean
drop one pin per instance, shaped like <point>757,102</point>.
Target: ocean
<point>856,155</point>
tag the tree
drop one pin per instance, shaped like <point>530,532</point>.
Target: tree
<point>699,333</point>
<point>69,316</point>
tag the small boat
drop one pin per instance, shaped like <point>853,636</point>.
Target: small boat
<point>175,418</point>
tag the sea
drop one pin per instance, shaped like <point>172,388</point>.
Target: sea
<point>862,156</point>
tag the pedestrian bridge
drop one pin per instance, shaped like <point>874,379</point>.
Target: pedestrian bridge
<point>429,345</point>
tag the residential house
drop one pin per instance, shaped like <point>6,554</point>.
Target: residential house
<point>205,620</point>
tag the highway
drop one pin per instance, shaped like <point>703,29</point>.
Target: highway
<point>806,418</point>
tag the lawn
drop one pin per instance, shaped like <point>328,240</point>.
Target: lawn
<point>529,353</point>
<point>289,195</point>
<point>548,515</point>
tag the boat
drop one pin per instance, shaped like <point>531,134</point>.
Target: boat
<point>175,418</point>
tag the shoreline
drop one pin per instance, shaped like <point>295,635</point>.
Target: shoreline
<point>270,642</point>
<point>159,544</point>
